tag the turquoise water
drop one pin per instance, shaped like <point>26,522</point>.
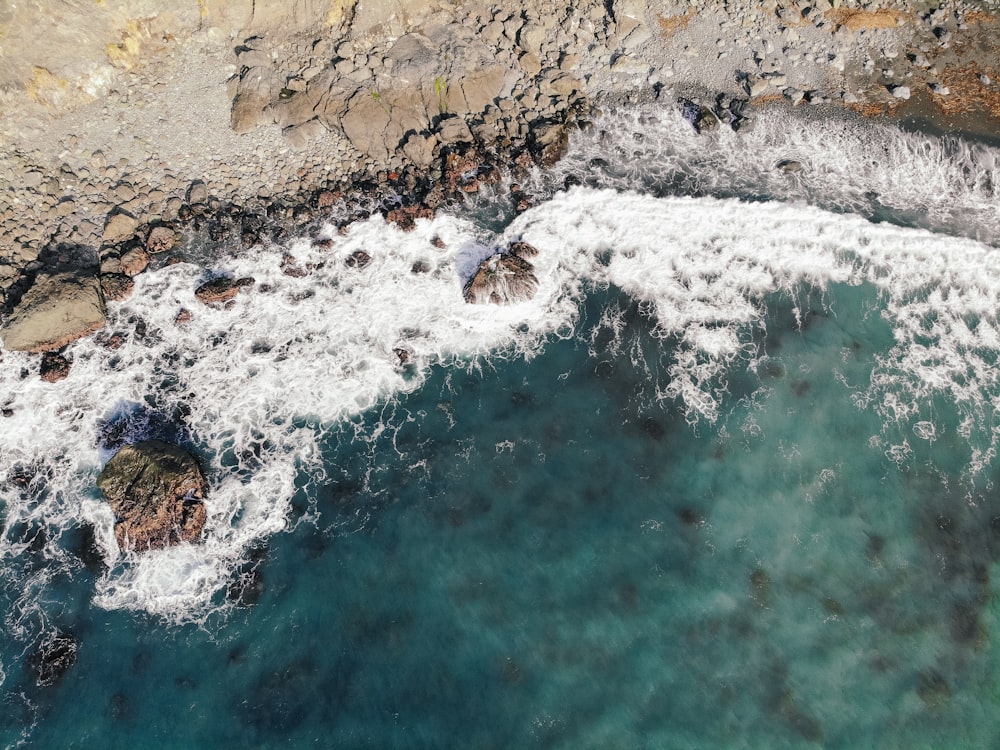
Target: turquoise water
<point>542,553</point>
<point>727,481</point>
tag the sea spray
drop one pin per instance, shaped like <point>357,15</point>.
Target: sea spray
<point>256,381</point>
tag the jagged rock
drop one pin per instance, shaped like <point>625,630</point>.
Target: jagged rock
<point>501,279</point>
<point>701,118</point>
<point>116,286</point>
<point>523,250</point>
<point>54,368</point>
<point>406,217</point>
<point>155,490</point>
<point>160,240</point>
<point>358,259</point>
<point>53,658</point>
<point>221,290</point>
<point>56,310</point>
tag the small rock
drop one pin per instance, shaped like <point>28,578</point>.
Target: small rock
<point>134,261</point>
<point>221,290</point>
<point>789,166</point>
<point>405,217</point>
<point>197,193</point>
<point>119,227</point>
<point>160,240</point>
<point>900,92</point>
<point>523,250</point>
<point>54,368</point>
<point>183,316</point>
<point>358,259</point>
<point>939,89</point>
<point>116,286</point>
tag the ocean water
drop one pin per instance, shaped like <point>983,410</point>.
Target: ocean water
<point>728,480</point>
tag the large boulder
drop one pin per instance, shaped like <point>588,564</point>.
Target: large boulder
<point>57,309</point>
<point>501,279</point>
<point>155,490</point>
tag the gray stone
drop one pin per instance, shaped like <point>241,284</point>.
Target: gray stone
<point>56,310</point>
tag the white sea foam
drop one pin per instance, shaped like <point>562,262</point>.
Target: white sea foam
<point>259,382</point>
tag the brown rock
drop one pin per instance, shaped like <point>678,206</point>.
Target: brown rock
<point>134,261</point>
<point>119,227</point>
<point>183,316</point>
<point>56,310</point>
<point>501,279</point>
<point>358,259</point>
<point>55,367</point>
<point>116,286</point>
<point>406,217</point>
<point>160,240</point>
<point>155,490</point>
<point>221,290</point>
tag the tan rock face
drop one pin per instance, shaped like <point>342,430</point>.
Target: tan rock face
<point>155,490</point>
<point>55,311</point>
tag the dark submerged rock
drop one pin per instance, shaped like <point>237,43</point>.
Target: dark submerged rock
<point>53,658</point>
<point>155,490</point>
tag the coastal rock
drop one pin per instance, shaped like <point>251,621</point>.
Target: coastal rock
<point>155,490</point>
<point>116,286</point>
<point>134,261</point>
<point>54,368</point>
<point>57,309</point>
<point>501,279</point>
<point>221,290</point>
<point>160,240</point>
<point>118,228</point>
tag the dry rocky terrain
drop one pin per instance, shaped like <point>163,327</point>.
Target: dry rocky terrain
<point>126,121</point>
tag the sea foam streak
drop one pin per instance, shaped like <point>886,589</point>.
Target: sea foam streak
<point>258,382</point>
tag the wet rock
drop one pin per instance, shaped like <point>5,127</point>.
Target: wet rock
<point>54,368</point>
<point>160,240</point>
<point>358,259</point>
<point>501,279</point>
<point>56,310</point>
<point>53,658</point>
<point>221,290</point>
<point>789,166</point>
<point>155,490</point>
<point>116,286</point>
<point>134,261</point>
<point>701,118</point>
<point>523,250</point>
<point>406,217</point>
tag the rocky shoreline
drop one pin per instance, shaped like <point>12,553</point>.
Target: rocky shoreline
<point>247,121</point>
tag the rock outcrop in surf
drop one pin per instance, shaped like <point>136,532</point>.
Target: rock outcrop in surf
<point>155,490</point>
<point>504,278</point>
